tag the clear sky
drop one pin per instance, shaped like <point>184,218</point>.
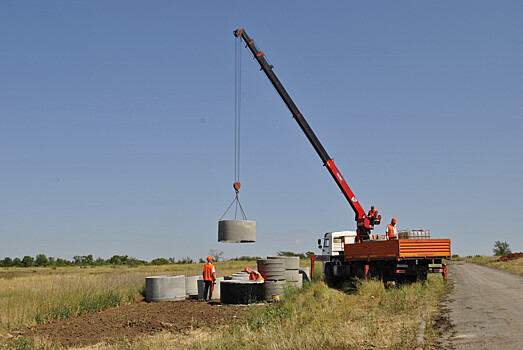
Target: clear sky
<point>117,123</point>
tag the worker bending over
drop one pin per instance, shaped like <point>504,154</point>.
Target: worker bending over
<point>254,275</point>
<point>209,276</point>
<point>392,230</point>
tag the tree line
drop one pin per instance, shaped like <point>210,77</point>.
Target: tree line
<point>41,260</point>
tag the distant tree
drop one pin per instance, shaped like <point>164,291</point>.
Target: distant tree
<point>133,262</point>
<point>501,248</point>
<point>285,253</point>
<point>186,260</point>
<point>118,260</point>
<point>88,259</point>
<point>201,261</point>
<point>52,261</point>
<point>83,260</point>
<point>63,262</point>
<point>7,262</point>
<point>77,260</point>
<point>216,254</point>
<point>309,254</point>
<point>41,260</point>
<point>246,258</point>
<point>160,261</point>
<point>99,262</point>
<point>172,260</point>
<point>28,261</point>
<point>17,262</point>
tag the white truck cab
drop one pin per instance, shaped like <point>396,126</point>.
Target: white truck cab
<point>333,244</point>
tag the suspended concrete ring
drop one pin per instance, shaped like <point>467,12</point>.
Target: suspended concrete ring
<point>236,231</point>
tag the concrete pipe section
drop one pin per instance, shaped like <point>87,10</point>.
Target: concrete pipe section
<point>215,292</point>
<point>165,288</point>
<point>236,231</point>
<point>272,269</point>
<point>292,275</point>
<point>240,276</point>
<point>298,283</point>
<point>305,272</point>
<point>273,290</point>
<point>241,292</point>
<point>291,262</point>
<point>191,285</point>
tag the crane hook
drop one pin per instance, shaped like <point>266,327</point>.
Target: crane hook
<point>236,187</point>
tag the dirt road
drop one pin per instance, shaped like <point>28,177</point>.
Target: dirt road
<point>485,308</point>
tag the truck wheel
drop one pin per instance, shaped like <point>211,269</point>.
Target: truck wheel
<point>423,276</point>
<point>330,279</point>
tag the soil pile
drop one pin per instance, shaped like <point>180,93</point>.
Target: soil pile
<point>511,256</point>
<point>128,322</point>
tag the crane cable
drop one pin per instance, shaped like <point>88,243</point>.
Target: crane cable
<point>237,115</point>
<point>237,107</point>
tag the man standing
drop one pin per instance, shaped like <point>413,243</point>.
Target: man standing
<point>209,276</point>
<point>392,230</point>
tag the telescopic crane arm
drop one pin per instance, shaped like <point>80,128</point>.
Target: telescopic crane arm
<point>363,223</point>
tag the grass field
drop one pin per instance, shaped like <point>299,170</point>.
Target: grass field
<point>318,317</point>
<point>513,266</point>
<point>39,295</point>
<point>367,316</point>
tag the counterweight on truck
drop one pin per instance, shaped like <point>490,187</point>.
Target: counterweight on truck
<point>356,255</point>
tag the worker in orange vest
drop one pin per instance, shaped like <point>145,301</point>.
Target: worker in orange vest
<point>209,276</point>
<point>254,275</point>
<point>373,216</point>
<point>392,230</point>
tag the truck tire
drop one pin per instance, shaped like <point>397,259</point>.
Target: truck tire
<point>331,280</point>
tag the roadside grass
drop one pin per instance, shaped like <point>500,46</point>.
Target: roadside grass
<point>318,317</point>
<point>39,295</point>
<point>513,266</point>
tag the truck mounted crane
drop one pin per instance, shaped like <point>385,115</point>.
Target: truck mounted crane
<point>349,254</point>
<point>363,224</point>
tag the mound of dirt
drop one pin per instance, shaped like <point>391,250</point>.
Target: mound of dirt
<point>134,320</point>
<point>511,256</point>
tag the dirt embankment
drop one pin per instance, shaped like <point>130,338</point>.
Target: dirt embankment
<point>134,320</point>
<point>511,256</point>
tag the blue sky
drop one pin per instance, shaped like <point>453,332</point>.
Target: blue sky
<point>117,123</point>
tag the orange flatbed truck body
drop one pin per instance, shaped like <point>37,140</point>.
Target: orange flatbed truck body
<point>398,249</point>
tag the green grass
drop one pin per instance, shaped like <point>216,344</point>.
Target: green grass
<point>320,317</point>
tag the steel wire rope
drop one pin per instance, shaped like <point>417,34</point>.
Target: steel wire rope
<point>237,119</point>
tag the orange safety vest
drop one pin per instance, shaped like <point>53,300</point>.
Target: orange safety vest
<point>207,272</point>
<point>372,213</point>
<point>256,277</point>
<point>391,231</point>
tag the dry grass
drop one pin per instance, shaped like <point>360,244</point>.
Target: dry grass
<point>318,317</point>
<point>513,266</point>
<point>367,317</point>
<point>39,295</point>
